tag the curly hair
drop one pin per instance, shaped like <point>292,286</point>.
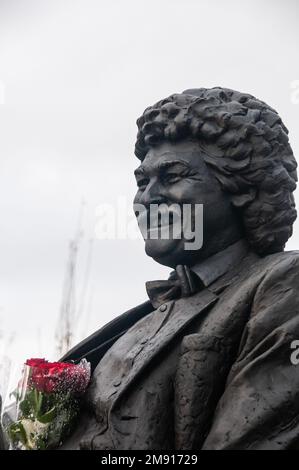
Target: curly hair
<point>249,153</point>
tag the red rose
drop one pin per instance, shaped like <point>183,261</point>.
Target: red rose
<point>35,362</point>
<point>77,377</point>
<point>55,377</point>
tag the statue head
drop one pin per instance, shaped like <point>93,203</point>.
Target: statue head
<point>227,152</point>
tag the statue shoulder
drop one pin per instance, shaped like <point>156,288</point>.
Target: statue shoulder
<point>96,344</point>
<point>281,262</point>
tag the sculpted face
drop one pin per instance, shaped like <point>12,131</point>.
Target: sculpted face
<point>176,173</point>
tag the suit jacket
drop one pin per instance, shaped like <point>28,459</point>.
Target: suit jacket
<point>234,385</point>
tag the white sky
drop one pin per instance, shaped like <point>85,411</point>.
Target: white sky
<point>77,74</point>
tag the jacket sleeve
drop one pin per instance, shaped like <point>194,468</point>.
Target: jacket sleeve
<point>259,408</point>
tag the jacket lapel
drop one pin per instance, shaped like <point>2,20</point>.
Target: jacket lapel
<point>94,347</point>
<point>179,315</point>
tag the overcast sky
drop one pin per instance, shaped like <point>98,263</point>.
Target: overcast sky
<point>76,74</point>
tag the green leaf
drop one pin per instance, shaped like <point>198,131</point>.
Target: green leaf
<point>31,399</point>
<point>38,399</point>
<point>17,433</point>
<point>25,408</point>
<point>34,401</point>
<point>48,416</point>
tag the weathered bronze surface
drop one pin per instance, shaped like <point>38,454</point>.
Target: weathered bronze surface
<point>205,364</point>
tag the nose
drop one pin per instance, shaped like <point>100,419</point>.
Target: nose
<point>153,194</point>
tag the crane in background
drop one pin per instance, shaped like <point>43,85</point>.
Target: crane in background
<point>70,310</point>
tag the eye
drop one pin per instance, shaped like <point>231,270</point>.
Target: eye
<point>171,178</point>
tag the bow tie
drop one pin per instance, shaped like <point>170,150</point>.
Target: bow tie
<point>181,283</point>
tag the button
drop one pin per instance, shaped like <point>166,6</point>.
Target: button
<point>163,308</point>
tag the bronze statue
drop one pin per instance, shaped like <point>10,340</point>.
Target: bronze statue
<point>205,363</point>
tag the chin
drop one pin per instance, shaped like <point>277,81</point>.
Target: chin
<point>166,252</point>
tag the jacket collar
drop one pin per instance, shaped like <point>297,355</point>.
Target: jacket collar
<point>219,264</point>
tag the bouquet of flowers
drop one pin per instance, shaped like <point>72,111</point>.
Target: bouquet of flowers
<point>47,403</point>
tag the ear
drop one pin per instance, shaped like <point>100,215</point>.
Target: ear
<point>242,200</point>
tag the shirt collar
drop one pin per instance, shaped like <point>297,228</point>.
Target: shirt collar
<point>214,267</point>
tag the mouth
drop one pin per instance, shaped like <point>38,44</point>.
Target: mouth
<point>161,222</point>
